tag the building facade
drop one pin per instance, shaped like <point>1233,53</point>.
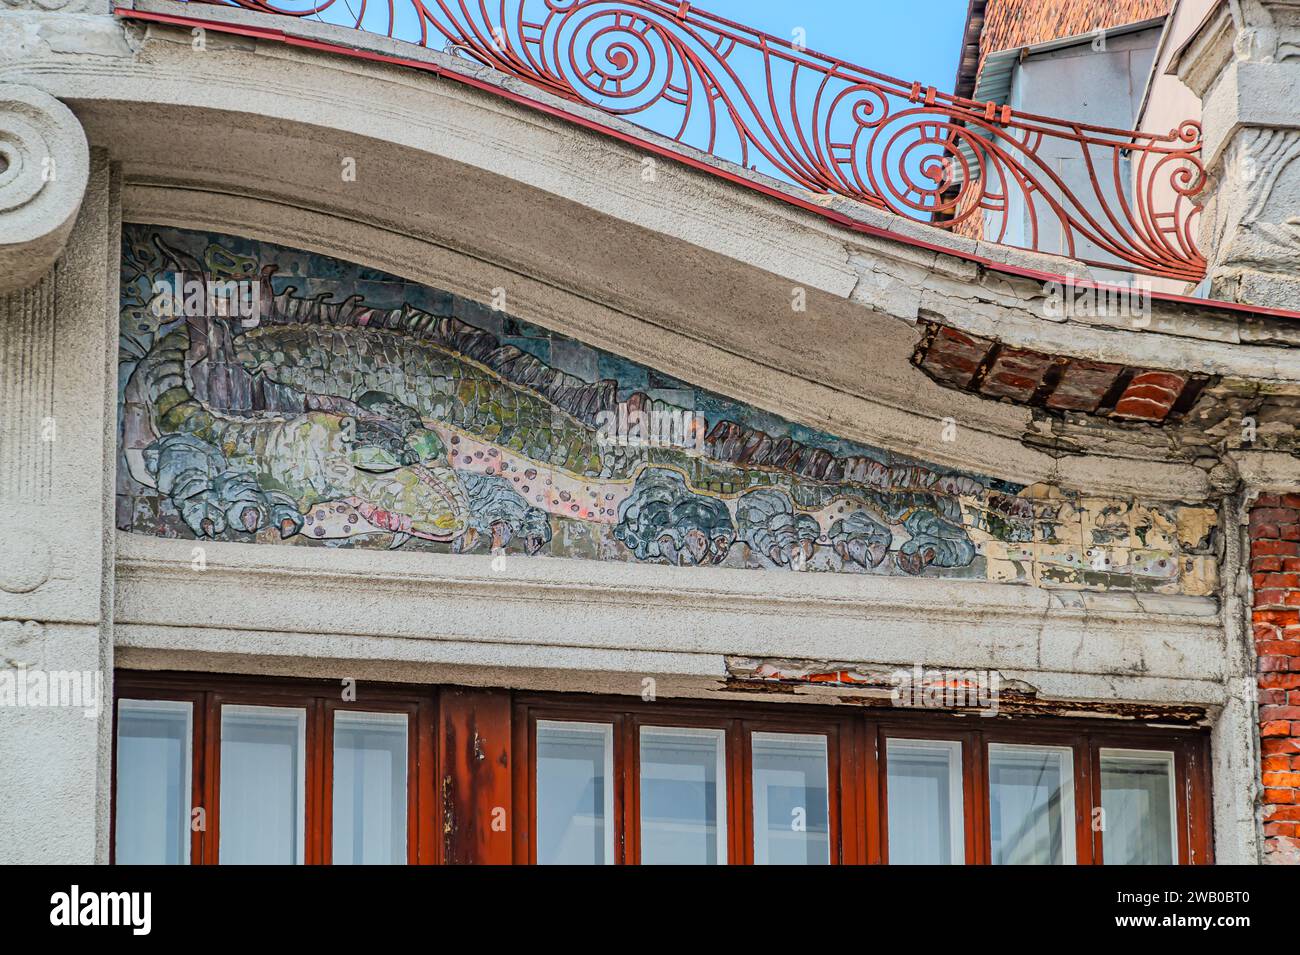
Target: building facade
<point>448,439</point>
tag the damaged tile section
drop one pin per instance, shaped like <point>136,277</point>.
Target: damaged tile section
<point>1059,383</point>
<point>1151,395</point>
<point>954,358</point>
<point>956,689</point>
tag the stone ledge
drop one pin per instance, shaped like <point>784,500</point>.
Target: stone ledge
<point>383,604</point>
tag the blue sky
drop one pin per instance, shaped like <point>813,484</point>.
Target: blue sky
<point>913,40</point>
<point>916,40</point>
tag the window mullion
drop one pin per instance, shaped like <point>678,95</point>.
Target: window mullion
<point>212,774</point>
<point>740,796</point>
<point>1087,799</point>
<point>632,789</point>
<point>320,766</point>
<point>977,809</point>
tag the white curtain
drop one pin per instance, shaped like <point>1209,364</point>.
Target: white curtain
<point>1138,807</point>
<point>262,785</point>
<point>153,782</point>
<point>370,800</point>
<point>791,812</point>
<point>683,797</point>
<point>925,803</point>
<point>575,793</point>
<point>1031,805</point>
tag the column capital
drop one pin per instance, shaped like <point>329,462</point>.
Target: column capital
<point>44,166</point>
<point>1243,61</point>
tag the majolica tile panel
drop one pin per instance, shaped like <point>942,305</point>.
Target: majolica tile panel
<point>277,396</point>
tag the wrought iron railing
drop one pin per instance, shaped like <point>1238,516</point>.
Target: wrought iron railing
<point>1113,198</point>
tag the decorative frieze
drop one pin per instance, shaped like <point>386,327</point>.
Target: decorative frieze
<point>273,395</point>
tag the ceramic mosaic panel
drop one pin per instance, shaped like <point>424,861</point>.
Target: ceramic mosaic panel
<point>276,396</point>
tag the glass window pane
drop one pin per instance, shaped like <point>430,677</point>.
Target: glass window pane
<point>1137,801</point>
<point>683,796</point>
<point>152,802</point>
<point>575,793</point>
<point>369,794</point>
<point>926,812</point>
<point>791,811</point>
<point>1031,804</point>
<point>263,771</point>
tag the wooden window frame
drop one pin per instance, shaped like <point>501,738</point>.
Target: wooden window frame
<point>627,719</point>
<point>858,768</point>
<point>321,700</point>
<point>443,720</point>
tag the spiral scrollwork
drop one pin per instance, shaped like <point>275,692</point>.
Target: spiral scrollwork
<point>621,61</point>
<point>922,165</point>
<point>44,168</point>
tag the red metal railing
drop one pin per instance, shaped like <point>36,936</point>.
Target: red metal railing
<point>1126,201</point>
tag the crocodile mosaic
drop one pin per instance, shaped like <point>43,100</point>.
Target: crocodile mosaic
<point>277,396</point>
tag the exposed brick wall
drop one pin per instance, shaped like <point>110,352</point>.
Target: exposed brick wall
<point>1275,571</point>
<point>1015,23</point>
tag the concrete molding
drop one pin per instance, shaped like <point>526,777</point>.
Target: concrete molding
<point>375,605</point>
<point>44,168</point>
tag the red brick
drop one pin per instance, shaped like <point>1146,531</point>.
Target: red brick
<point>954,358</point>
<point>1284,548</point>
<point>1283,618</point>
<point>1282,581</point>
<point>1015,374</point>
<point>1275,575</point>
<point>1274,515</point>
<point>1269,714</point>
<point>1150,395</point>
<point>1083,384</point>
